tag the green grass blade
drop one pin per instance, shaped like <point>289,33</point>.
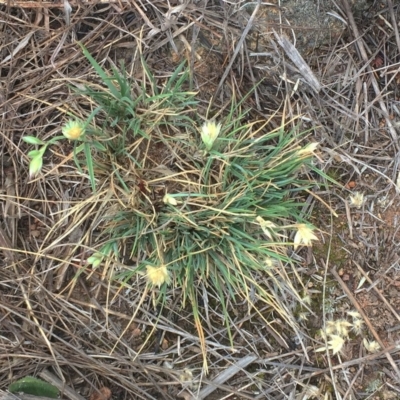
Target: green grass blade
<point>89,161</point>
<point>106,79</point>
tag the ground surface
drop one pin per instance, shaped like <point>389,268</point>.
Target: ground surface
<point>86,330</point>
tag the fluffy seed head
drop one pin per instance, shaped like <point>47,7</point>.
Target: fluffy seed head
<point>308,150</point>
<point>73,130</point>
<point>156,276</point>
<point>357,200</point>
<point>336,343</point>
<point>358,326</point>
<point>209,133</point>
<point>304,236</point>
<point>371,346</point>
<point>168,199</point>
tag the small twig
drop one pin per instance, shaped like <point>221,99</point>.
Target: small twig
<point>366,319</point>
<point>238,47</point>
<point>5,245</point>
<point>353,381</point>
<point>59,47</point>
<point>299,62</point>
<point>225,375</point>
<point>349,219</point>
<point>21,45</point>
<point>189,48</point>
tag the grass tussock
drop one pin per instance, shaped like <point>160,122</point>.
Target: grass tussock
<point>192,203</point>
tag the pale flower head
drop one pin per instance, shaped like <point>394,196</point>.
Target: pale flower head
<point>270,262</point>
<point>303,316</point>
<point>323,335</point>
<point>306,299</point>
<point>371,346</point>
<point>304,235</point>
<point>168,199</point>
<point>73,130</point>
<point>354,314</point>
<point>186,376</point>
<point>358,325</point>
<point>156,276</point>
<point>266,226</point>
<point>357,200</point>
<point>209,133</point>
<point>338,327</point>
<point>308,150</point>
<point>330,328</point>
<point>311,392</point>
<point>336,343</point>
<point>342,327</point>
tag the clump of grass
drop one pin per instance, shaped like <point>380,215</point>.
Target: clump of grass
<point>124,111</point>
<point>223,216</point>
<point>215,206</point>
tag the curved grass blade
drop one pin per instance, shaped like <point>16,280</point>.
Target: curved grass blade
<point>100,71</point>
<point>89,161</point>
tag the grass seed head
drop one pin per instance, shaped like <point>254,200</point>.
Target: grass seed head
<point>168,199</point>
<point>330,327</point>
<point>354,314</point>
<point>73,130</point>
<point>322,334</point>
<point>357,200</point>
<point>358,326</point>
<point>303,316</point>
<point>266,226</point>
<point>186,376</point>
<point>209,133</point>
<point>95,260</point>
<point>341,326</point>
<point>311,392</point>
<point>308,150</point>
<point>304,236</point>
<point>156,276</point>
<point>271,263</point>
<point>306,299</point>
<point>371,346</point>
<point>335,344</point>
<point>35,166</point>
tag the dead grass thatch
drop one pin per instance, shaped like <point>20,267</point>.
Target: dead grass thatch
<point>58,319</point>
